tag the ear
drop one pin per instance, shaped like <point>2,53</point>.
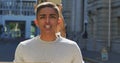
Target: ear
<point>36,22</point>
<point>59,20</point>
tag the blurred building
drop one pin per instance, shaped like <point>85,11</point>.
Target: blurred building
<point>17,14</point>
<point>74,18</point>
<point>104,24</point>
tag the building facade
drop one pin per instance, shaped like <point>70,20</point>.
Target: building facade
<point>74,19</point>
<point>17,18</point>
<point>103,25</point>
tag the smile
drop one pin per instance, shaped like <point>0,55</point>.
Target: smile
<point>47,26</point>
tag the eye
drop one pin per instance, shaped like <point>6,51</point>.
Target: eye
<point>42,17</point>
<point>53,16</point>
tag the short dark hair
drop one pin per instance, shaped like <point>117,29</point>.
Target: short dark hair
<point>47,4</point>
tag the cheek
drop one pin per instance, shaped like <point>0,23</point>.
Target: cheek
<point>55,24</point>
<point>39,24</point>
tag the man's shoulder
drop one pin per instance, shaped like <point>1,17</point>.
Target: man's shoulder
<point>68,41</point>
<point>69,44</point>
<point>29,41</point>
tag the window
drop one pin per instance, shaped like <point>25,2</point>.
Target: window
<point>118,26</point>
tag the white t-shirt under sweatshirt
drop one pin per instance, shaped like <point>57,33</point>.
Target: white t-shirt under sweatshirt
<point>36,50</point>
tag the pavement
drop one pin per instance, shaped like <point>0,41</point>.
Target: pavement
<point>7,51</point>
<point>95,57</point>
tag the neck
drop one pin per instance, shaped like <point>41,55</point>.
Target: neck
<point>48,37</point>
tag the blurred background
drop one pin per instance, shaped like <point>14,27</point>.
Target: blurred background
<point>93,24</point>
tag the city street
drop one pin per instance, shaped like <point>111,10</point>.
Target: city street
<point>93,24</point>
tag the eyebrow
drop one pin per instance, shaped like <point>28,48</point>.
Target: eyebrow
<point>50,14</point>
<point>42,15</point>
<point>53,14</point>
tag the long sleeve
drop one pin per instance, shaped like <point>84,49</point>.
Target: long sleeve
<point>78,55</point>
<point>18,54</point>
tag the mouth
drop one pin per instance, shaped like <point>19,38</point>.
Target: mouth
<point>47,26</point>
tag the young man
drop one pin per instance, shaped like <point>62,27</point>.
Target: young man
<point>47,47</point>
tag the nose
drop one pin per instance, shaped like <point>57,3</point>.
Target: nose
<point>48,20</point>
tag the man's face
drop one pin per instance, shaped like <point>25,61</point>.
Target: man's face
<point>47,20</point>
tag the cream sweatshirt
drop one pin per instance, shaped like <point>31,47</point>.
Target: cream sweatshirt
<point>36,50</point>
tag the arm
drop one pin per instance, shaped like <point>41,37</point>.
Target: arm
<point>78,55</point>
<point>18,54</point>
